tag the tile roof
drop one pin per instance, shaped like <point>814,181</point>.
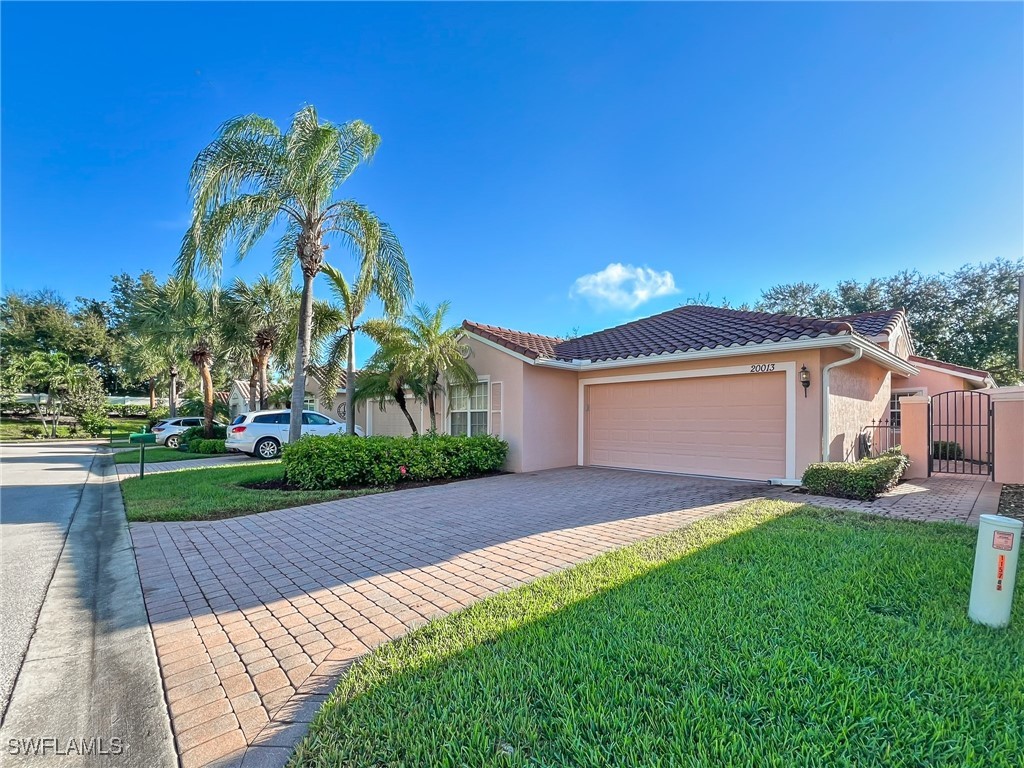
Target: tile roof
<point>873,323</point>
<point>684,329</point>
<point>951,367</point>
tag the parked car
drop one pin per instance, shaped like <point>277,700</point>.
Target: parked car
<point>168,432</point>
<point>262,433</point>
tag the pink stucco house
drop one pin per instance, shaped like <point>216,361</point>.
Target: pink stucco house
<point>695,390</point>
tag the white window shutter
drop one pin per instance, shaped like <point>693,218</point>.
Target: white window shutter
<point>496,408</point>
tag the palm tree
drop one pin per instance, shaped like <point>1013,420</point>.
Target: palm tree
<point>257,319</point>
<point>352,301</point>
<point>183,318</point>
<point>55,373</point>
<point>385,379</point>
<point>252,176</point>
<point>424,353</point>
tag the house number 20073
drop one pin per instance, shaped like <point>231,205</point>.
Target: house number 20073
<point>762,368</point>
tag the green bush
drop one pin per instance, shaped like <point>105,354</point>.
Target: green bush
<point>94,423</point>
<point>32,431</point>
<point>220,432</point>
<point>947,449</point>
<point>338,461</point>
<point>156,415</point>
<point>129,410</point>
<point>207,446</point>
<point>863,480</point>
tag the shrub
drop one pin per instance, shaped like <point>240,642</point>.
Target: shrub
<point>94,423</point>
<point>32,431</point>
<point>947,449</point>
<point>157,414</point>
<point>337,461</point>
<point>129,410</point>
<point>863,480</point>
<point>207,446</point>
<point>220,432</point>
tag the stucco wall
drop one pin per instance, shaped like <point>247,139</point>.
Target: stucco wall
<point>550,418</point>
<point>501,367</point>
<point>858,394</point>
<point>1008,406</point>
<point>932,382</point>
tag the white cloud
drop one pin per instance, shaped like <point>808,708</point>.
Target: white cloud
<point>623,286</point>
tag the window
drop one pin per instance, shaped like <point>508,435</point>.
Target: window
<point>316,419</point>
<point>469,409</point>
<point>271,418</point>
<point>238,419</point>
<point>192,422</point>
<point>894,405</point>
<point>309,402</point>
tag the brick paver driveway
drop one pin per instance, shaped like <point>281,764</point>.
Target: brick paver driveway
<point>255,617</point>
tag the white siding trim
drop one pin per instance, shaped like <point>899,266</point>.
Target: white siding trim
<point>789,368</point>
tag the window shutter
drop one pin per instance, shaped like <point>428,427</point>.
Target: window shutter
<point>496,408</point>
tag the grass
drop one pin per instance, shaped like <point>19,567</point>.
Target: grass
<point>214,492</point>
<point>774,635</point>
<point>11,429</point>
<point>158,453</point>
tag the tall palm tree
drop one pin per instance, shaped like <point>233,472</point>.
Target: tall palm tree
<point>351,304</point>
<point>184,318</point>
<point>252,177</point>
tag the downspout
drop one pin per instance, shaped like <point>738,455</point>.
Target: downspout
<point>825,394</point>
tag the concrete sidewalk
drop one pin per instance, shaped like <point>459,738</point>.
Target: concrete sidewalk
<point>89,691</point>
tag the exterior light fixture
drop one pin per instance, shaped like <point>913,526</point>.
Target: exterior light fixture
<point>805,379</point>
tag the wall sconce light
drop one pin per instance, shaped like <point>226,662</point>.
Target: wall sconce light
<point>805,379</point>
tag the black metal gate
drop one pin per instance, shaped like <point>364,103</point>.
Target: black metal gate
<point>960,439</point>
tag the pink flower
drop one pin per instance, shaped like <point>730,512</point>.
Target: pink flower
<point>403,470</point>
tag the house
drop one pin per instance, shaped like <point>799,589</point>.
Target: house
<point>238,400</point>
<point>695,390</point>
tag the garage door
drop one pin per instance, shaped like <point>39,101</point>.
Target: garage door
<point>724,426</point>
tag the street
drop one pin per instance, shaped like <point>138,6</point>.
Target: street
<point>79,670</point>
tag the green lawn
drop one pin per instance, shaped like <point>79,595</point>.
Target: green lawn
<point>214,492</point>
<point>158,453</point>
<point>12,429</point>
<point>775,635</point>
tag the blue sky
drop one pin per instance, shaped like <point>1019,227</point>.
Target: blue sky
<point>705,149</point>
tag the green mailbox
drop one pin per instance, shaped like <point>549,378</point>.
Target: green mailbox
<point>143,439</point>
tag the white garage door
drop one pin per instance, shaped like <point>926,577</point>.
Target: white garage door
<point>723,426</point>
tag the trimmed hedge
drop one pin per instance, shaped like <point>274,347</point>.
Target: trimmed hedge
<point>206,446</point>
<point>220,432</point>
<point>863,480</point>
<point>339,461</point>
<point>947,449</point>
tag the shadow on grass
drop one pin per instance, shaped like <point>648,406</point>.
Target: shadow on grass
<point>773,635</point>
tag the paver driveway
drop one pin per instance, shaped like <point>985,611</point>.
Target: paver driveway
<point>255,617</point>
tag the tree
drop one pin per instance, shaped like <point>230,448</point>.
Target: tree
<point>352,301</point>
<point>257,319</point>
<point>385,379</point>
<point>74,387</point>
<point>426,355</point>
<point>183,319</point>
<point>252,177</point>
<point>968,317</point>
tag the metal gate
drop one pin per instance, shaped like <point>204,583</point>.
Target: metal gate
<point>960,437</point>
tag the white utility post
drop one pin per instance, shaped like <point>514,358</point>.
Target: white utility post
<point>995,570</point>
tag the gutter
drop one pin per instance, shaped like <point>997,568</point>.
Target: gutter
<point>857,355</point>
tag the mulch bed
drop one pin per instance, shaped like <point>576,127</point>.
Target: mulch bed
<point>281,484</point>
<point>1011,501</point>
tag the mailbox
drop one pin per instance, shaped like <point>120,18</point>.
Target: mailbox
<point>142,437</point>
<point>995,570</point>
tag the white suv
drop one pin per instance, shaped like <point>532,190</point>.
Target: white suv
<point>262,433</point>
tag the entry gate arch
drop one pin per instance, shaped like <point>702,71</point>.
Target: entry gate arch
<point>960,433</point>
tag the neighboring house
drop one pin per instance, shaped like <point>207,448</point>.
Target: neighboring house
<point>238,400</point>
<point>695,390</point>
